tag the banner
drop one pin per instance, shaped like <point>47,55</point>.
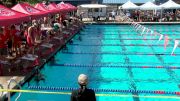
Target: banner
<point>176,43</point>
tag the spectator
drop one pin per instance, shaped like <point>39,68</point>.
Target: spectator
<point>2,42</point>
<point>83,94</point>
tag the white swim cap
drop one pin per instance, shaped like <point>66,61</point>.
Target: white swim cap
<point>83,79</point>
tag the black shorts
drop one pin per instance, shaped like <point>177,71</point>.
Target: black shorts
<point>9,43</point>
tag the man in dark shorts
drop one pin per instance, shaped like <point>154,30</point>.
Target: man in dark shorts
<point>83,94</point>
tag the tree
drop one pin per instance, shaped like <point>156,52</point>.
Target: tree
<point>1,3</point>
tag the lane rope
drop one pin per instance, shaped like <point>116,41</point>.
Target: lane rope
<point>119,45</point>
<point>107,95</point>
<point>121,39</point>
<point>119,53</point>
<point>104,90</point>
<point>114,66</point>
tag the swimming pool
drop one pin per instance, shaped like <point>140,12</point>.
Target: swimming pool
<point>114,57</point>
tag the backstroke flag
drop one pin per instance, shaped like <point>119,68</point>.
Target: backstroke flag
<point>143,30</point>
<point>176,43</point>
<point>160,38</point>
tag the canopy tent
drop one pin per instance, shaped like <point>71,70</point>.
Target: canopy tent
<point>129,5</point>
<point>93,6</point>
<point>8,16</point>
<point>149,6</point>
<point>170,5</point>
<point>73,7</point>
<point>64,7</point>
<point>27,9</point>
<point>53,6</point>
<point>67,6</point>
<point>45,8</point>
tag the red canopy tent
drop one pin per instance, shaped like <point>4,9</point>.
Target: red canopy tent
<point>53,6</point>
<point>42,7</point>
<point>71,6</point>
<point>45,8</point>
<point>8,16</point>
<point>64,7</point>
<point>27,9</point>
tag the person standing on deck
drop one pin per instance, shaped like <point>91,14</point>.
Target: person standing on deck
<point>31,36</point>
<point>83,94</point>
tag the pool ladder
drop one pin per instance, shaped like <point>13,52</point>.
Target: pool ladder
<point>17,84</point>
<point>1,95</point>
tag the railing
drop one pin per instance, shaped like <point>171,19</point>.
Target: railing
<point>1,86</point>
<point>9,85</point>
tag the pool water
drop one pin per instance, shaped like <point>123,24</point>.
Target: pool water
<point>114,45</point>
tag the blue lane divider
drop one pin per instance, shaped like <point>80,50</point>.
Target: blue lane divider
<point>119,53</point>
<point>124,39</point>
<point>118,45</point>
<point>104,90</point>
<point>124,34</point>
<point>114,66</point>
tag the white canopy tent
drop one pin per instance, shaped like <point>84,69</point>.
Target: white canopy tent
<point>93,6</point>
<point>129,5</point>
<point>149,6</point>
<point>170,5</point>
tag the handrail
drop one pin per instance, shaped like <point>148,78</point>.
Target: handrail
<point>9,84</point>
<point>1,86</point>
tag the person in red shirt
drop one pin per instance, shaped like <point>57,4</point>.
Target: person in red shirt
<point>16,39</point>
<point>3,46</point>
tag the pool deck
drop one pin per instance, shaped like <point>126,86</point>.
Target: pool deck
<point>121,23</point>
<point>54,44</point>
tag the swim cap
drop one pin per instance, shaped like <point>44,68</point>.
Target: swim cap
<point>83,79</point>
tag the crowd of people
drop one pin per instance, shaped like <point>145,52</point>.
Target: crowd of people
<point>146,16</point>
<point>19,39</point>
